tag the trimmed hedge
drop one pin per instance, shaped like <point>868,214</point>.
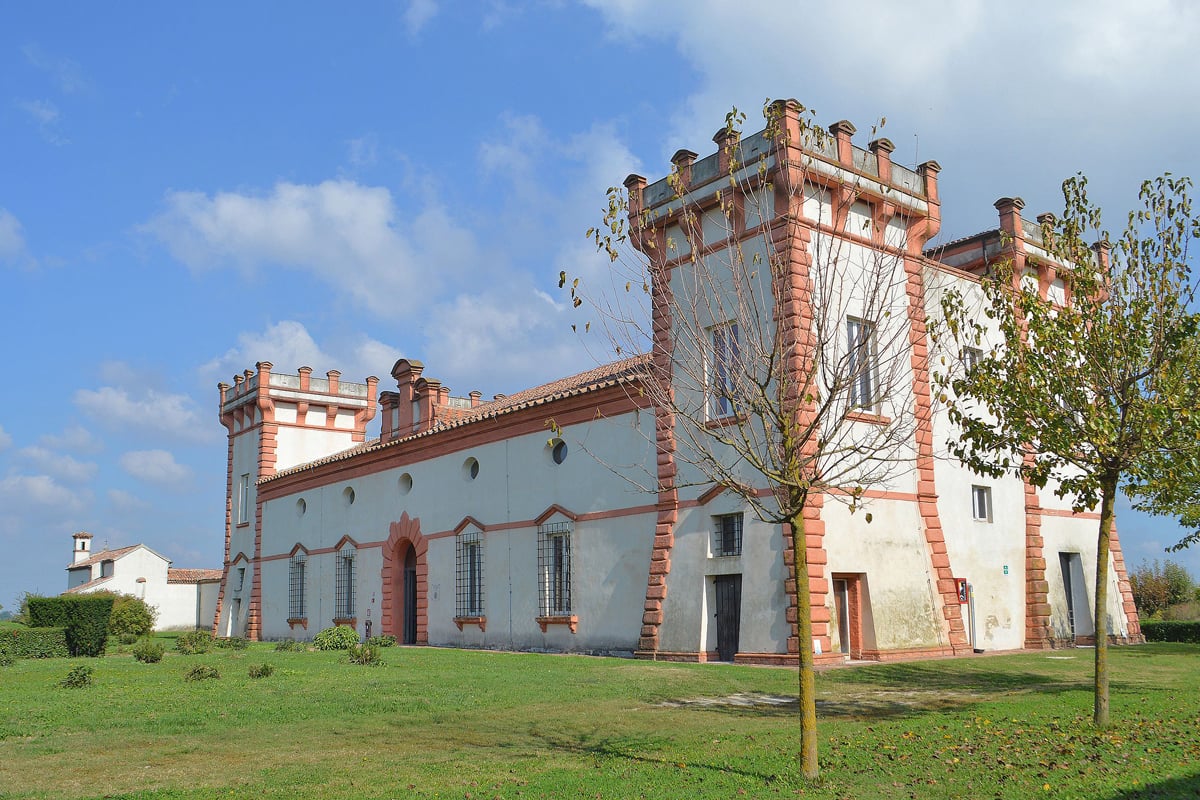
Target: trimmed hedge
<point>84,616</point>
<point>1172,631</point>
<point>34,643</point>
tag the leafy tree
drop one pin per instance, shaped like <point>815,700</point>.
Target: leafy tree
<point>782,361</point>
<point>1157,586</point>
<point>1096,393</point>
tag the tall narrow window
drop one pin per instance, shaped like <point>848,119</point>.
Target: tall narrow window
<point>469,582</point>
<point>971,357</point>
<point>243,513</point>
<point>296,570</point>
<point>981,503</point>
<point>728,535</point>
<point>554,569</point>
<point>860,363</point>
<point>344,583</point>
<point>723,371</point>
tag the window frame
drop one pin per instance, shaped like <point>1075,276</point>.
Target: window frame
<point>297,585</point>
<point>727,534</point>
<point>719,378</point>
<point>344,582</point>
<point>554,570</point>
<point>863,377</point>
<point>243,511</point>
<point>468,569</point>
<point>981,493</point>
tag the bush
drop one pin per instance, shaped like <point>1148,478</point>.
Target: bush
<point>233,643</point>
<point>1157,587</point>
<point>148,651</point>
<point>194,642</point>
<point>78,678</point>
<point>290,646</point>
<point>85,617</point>
<point>261,670</point>
<point>128,638</point>
<point>342,637</point>
<point>131,616</point>
<point>1171,631</point>
<point>6,659</point>
<point>202,672</point>
<point>387,640</point>
<point>365,654</point>
<point>34,643</point>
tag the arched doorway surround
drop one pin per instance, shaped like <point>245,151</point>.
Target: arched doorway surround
<point>404,589</point>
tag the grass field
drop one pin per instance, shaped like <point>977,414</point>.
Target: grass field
<point>462,724</point>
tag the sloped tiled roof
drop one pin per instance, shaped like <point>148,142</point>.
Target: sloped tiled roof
<point>601,377</point>
<point>83,587</point>
<point>103,555</point>
<point>193,575</point>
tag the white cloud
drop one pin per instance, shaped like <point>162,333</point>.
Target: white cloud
<point>288,346</point>
<point>75,439</point>
<point>348,235</point>
<point>418,14</point>
<point>124,501</point>
<point>12,241</point>
<point>155,466</point>
<point>5,438</point>
<point>46,115</point>
<point>151,411</point>
<point>59,465</point>
<point>39,492</point>
<point>67,74</point>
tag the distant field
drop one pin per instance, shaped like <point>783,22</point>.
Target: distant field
<point>459,724</point>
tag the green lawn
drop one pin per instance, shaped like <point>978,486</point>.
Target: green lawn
<point>457,724</point>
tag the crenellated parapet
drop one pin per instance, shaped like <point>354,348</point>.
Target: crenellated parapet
<point>419,403</point>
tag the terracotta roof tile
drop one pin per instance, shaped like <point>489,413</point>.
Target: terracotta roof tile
<point>603,376</point>
<point>193,575</point>
<point>103,555</point>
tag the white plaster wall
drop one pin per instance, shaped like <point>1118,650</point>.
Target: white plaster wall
<point>295,446</point>
<point>179,606</point>
<point>517,481</point>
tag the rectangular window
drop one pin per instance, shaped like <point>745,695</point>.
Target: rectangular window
<point>728,535</point>
<point>344,584</point>
<point>554,569</point>
<point>723,371</point>
<point>860,364</point>
<point>469,583</point>
<point>981,503</point>
<point>243,512</point>
<point>296,569</point>
<point>241,579</point>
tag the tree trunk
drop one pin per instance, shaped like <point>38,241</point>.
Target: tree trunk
<point>807,691</point>
<point>1108,489</point>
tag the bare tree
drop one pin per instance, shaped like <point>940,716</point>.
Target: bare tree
<point>780,288</point>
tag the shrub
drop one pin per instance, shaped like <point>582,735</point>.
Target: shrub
<point>84,616</point>
<point>148,651</point>
<point>131,616</point>
<point>6,658</point>
<point>1172,631</point>
<point>233,643</point>
<point>261,670</point>
<point>387,640</point>
<point>290,646</point>
<point>78,678</point>
<point>34,642</point>
<point>194,642</point>
<point>1157,586</point>
<point>201,672</point>
<point>341,637</point>
<point>366,654</point>
<point>128,638</point>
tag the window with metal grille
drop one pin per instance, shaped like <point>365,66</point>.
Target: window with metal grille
<point>861,363</point>
<point>728,535</point>
<point>554,569</point>
<point>344,583</point>
<point>296,570</point>
<point>469,582</point>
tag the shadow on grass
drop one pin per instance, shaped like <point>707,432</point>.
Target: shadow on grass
<point>933,676</point>
<point>636,749</point>
<point>1171,789</point>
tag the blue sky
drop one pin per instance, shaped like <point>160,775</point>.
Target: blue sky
<point>186,189</point>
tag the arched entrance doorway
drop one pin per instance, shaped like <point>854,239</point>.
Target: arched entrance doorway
<point>404,581</point>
